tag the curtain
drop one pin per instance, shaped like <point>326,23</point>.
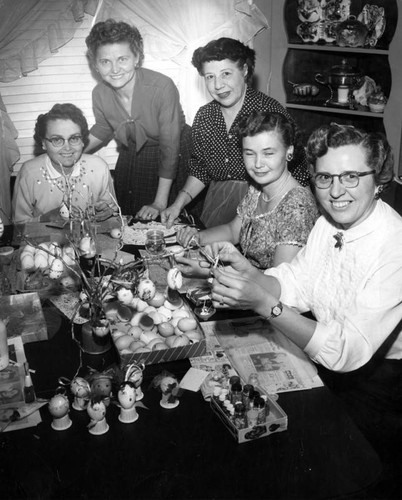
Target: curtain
<point>173,29</point>
<point>31,30</point>
<point>9,154</point>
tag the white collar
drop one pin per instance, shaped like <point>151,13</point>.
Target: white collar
<point>54,174</point>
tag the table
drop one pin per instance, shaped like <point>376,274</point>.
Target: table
<point>180,453</point>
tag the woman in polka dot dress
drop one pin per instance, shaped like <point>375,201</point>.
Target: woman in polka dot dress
<point>227,66</point>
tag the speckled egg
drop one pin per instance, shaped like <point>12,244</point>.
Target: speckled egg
<point>56,269</point>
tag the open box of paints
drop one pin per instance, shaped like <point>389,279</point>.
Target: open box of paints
<point>247,411</point>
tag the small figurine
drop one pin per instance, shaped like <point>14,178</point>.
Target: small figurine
<point>127,400</point>
<point>59,407</point>
<point>169,387</point>
<point>134,374</point>
<point>96,410</point>
<point>81,391</point>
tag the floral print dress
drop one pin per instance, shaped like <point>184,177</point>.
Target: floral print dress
<point>289,223</point>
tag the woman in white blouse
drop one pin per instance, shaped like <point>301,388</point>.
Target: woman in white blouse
<point>349,276</point>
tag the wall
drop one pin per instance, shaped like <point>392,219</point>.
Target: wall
<point>66,77</point>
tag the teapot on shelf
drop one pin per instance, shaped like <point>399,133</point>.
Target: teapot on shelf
<point>342,77</point>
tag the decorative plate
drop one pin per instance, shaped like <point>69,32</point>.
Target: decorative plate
<point>374,18</point>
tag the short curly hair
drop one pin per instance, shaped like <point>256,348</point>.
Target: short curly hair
<point>65,111</point>
<point>379,155</point>
<point>225,48</point>
<point>265,121</point>
<point>111,31</point>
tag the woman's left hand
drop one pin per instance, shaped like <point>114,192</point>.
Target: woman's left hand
<point>194,268</point>
<point>148,212</point>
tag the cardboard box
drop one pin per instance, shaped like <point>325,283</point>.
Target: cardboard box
<point>276,421</point>
<point>171,354</point>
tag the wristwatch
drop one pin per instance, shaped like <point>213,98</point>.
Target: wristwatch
<point>276,311</point>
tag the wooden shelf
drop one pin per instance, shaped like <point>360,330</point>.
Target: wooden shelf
<point>336,48</point>
<point>330,109</point>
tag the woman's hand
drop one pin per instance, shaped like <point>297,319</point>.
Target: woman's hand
<point>104,211</point>
<point>169,215</point>
<point>148,212</point>
<point>188,234</point>
<point>194,268</point>
<point>238,284</point>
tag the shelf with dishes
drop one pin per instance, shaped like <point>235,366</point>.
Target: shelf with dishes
<point>342,23</point>
<point>338,82</point>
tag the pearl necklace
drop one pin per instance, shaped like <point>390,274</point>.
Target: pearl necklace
<point>267,200</point>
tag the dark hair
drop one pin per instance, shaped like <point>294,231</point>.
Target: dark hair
<point>225,48</point>
<point>379,154</point>
<point>111,31</point>
<point>264,121</point>
<point>65,111</point>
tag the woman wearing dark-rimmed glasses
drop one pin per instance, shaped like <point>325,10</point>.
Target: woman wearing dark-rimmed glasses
<point>349,276</point>
<point>62,182</point>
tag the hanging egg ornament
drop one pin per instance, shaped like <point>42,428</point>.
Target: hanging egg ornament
<point>56,269</point>
<point>87,247</point>
<point>64,211</point>
<point>116,233</point>
<point>146,289</point>
<point>174,279</point>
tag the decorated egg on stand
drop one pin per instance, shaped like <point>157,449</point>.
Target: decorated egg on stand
<point>81,391</point>
<point>96,410</point>
<point>59,407</point>
<point>127,400</point>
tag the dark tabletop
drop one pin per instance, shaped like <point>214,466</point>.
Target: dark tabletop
<point>181,453</point>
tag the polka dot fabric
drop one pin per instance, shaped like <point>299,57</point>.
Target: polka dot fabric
<point>217,154</point>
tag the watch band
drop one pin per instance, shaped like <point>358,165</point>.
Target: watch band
<point>276,310</point>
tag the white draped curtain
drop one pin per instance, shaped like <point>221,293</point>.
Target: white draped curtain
<point>173,29</point>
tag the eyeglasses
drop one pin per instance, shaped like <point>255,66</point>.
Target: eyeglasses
<point>347,179</point>
<point>58,142</point>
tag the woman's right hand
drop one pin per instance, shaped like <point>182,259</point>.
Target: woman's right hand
<point>169,216</point>
<point>188,234</point>
<point>193,268</point>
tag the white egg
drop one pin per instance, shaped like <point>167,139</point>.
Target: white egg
<point>187,324</point>
<point>159,346</point>
<point>88,247</point>
<point>173,306</point>
<point>29,248</point>
<point>180,341</point>
<point>116,233</point>
<point>43,246</point>
<point>194,335</point>
<point>157,300</point>
<point>174,279</point>
<point>155,341</point>
<point>146,289</point>
<point>136,344</point>
<point>135,320</point>
<point>165,329</point>
<point>135,331</point>
<point>146,337</point>
<point>166,312</point>
<point>64,211</point>
<point>180,313</point>
<point>40,260</point>
<point>125,295</point>
<point>1,227</point>
<point>27,261</point>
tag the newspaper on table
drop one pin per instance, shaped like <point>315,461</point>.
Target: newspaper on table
<point>253,346</point>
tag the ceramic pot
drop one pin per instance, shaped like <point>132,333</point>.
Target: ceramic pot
<point>90,342</point>
<point>351,33</point>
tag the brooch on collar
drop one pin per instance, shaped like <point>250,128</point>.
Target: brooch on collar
<point>339,240</point>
